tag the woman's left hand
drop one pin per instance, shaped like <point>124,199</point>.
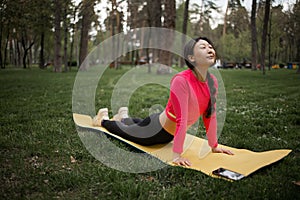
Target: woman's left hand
<point>220,150</point>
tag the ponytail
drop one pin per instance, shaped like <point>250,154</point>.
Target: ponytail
<point>212,89</point>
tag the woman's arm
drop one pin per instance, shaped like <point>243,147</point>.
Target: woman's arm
<point>179,97</point>
<point>210,124</point>
<point>211,133</point>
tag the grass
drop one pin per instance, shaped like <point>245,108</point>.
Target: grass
<point>39,140</point>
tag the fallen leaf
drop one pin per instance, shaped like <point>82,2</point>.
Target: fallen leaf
<point>73,160</point>
<point>296,183</point>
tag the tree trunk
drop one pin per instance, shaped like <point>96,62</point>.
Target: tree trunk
<point>83,50</point>
<point>269,37</point>
<point>18,53</point>
<point>11,52</point>
<point>157,14</point>
<point>24,52</point>
<point>298,54</point>
<point>30,56</point>
<point>1,33</point>
<point>264,34</point>
<point>253,36</point>
<point>184,28</point>
<point>169,16</point>
<point>5,49</point>
<point>115,28</point>
<point>65,38</point>
<point>25,49</point>
<point>87,6</point>
<point>73,36</point>
<point>1,62</point>
<point>57,36</point>
<point>225,18</point>
<point>42,59</point>
<point>201,17</point>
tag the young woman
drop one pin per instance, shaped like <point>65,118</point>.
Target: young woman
<point>192,94</point>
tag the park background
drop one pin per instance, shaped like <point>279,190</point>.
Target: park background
<point>62,33</point>
<point>42,156</point>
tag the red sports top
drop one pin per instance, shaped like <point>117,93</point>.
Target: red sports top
<point>189,99</point>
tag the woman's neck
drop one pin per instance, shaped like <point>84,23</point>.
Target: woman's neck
<point>200,73</point>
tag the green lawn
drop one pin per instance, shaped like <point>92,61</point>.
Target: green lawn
<point>38,139</point>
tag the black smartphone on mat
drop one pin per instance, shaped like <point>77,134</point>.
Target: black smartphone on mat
<point>228,174</point>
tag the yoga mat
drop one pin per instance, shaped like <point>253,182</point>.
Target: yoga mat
<point>198,152</point>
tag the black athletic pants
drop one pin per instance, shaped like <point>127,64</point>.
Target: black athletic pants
<point>145,132</point>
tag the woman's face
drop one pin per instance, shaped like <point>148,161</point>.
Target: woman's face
<point>204,54</point>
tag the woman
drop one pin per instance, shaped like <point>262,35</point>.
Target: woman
<point>192,94</point>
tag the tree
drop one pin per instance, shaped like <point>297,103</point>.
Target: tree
<point>144,14</point>
<point>155,20</point>
<point>2,20</point>
<point>169,15</point>
<point>20,30</point>
<point>57,36</point>
<point>66,32</point>
<point>115,26</point>
<point>296,30</point>
<point>235,49</point>
<point>27,43</point>
<point>87,13</point>
<point>28,28</point>
<point>253,35</point>
<point>264,34</point>
<point>203,15</point>
<point>9,19</point>
<point>74,31</point>
<point>233,39</point>
<point>225,19</point>
<point>184,27</point>
<point>279,35</point>
<point>44,23</point>
<point>24,26</point>
<point>237,20</point>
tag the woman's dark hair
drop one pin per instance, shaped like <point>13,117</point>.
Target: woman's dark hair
<point>189,50</point>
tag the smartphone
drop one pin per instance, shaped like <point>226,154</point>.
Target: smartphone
<point>228,174</point>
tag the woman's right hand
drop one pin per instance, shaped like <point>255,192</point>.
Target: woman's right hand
<point>181,161</point>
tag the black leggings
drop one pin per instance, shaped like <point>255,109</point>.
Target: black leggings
<point>145,132</point>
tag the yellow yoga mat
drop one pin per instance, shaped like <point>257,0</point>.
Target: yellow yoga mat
<point>198,152</point>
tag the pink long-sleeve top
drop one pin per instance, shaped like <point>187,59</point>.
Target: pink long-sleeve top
<point>189,99</point>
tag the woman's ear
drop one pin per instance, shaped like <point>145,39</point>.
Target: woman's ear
<point>191,58</point>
